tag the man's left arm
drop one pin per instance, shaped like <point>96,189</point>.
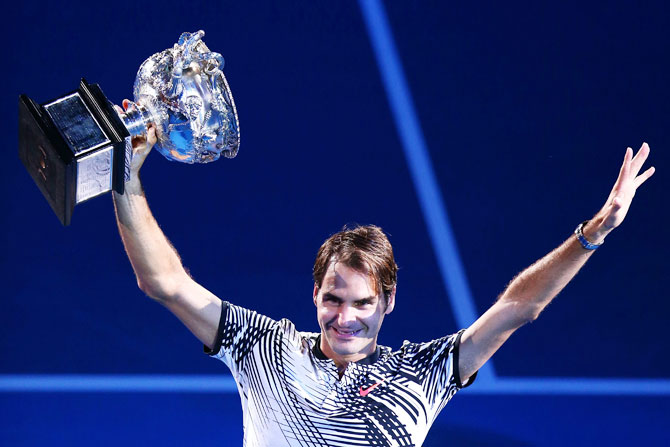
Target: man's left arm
<point>534,288</point>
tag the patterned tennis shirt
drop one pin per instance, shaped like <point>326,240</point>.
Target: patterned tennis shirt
<point>292,394</point>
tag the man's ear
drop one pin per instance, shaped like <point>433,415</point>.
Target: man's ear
<point>390,304</point>
<point>315,293</point>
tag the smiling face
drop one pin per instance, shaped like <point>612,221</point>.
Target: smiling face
<point>350,313</point>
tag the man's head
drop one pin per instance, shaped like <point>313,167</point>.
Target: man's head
<point>355,279</point>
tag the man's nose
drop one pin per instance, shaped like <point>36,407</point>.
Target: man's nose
<point>346,316</point>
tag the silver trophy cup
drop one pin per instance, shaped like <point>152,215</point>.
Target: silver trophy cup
<point>77,146</point>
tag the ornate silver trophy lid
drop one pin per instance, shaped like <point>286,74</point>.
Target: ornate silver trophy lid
<point>183,91</point>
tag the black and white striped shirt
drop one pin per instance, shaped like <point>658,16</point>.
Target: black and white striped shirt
<point>293,396</point>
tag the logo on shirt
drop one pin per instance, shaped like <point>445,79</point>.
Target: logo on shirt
<point>364,392</point>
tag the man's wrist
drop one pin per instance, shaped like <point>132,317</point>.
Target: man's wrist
<point>595,231</point>
<point>132,186</point>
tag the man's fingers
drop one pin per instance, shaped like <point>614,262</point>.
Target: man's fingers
<point>151,134</point>
<point>625,167</point>
<point>640,158</point>
<point>644,176</point>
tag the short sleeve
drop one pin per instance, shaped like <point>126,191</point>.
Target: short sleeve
<point>239,330</point>
<point>436,366</point>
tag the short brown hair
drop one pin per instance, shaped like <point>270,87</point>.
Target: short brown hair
<point>364,248</point>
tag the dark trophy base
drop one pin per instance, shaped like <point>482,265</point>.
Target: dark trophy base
<point>75,147</point>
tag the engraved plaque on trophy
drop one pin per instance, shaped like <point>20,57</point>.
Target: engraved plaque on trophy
<point>77,146</point>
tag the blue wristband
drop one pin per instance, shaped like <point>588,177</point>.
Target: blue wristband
<point>582,240</point>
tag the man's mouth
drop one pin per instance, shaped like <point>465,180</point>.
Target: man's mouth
<point>345,333</point>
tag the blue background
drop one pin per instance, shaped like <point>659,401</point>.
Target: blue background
<point>526,110</point>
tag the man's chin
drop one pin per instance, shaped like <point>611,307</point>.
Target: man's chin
<point>349,347</point>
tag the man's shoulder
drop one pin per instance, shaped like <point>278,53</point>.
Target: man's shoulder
<point>411,350</point>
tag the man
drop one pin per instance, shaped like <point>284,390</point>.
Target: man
<point>339,387</point>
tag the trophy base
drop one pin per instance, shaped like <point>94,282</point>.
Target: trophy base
<point>75,147</point>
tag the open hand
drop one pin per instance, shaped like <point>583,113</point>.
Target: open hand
<point>619,200</point>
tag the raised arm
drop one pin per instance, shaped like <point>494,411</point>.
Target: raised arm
<point>157,266</point>
<point>534,288</point>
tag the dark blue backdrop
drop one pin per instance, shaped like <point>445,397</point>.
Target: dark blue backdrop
<point>526,110</point>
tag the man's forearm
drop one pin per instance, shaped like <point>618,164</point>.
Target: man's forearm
<point>534,288</point>
<point>156,264</point>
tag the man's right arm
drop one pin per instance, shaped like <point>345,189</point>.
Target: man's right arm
<point>157,266</point>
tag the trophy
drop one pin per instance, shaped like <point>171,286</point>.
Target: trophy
<point>78,146</point>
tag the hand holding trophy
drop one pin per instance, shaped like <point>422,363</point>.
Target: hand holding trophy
<point>141,146</point>
<point>78,146</point>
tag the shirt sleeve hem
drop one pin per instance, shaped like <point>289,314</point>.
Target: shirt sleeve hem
<point>457,373</point>
<point>219,332</point>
